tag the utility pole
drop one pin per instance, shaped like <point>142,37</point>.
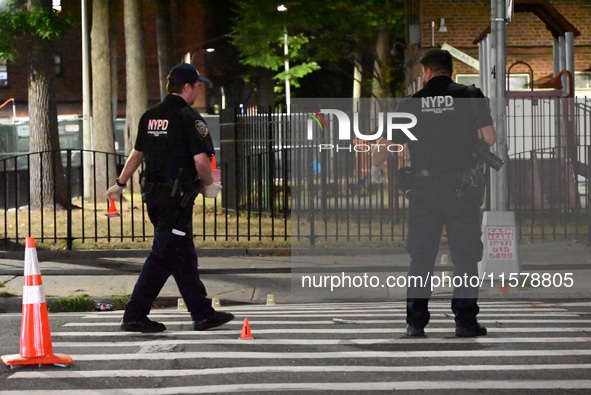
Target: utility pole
<point>500,238</point>
<point>498,82</point>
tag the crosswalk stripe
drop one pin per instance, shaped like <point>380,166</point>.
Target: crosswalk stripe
<point>393,331</point>
<point>345,386</point>
<point>332,314</point>
<point>328,342</point>
<point>330,322</point>
<point>276,311</point>
<point>60,374</point>
<point>369,304</point>
<point>331,355</point>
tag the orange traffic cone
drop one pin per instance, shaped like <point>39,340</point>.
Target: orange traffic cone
<point>246,331</point>
<point>112,209</point>
<point>36,347</point>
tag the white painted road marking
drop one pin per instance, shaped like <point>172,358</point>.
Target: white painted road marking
<point>334,331</point>
<point>362,386</point>
<point>331,355</point>
<point>65,374</point>
<point>330,342</point>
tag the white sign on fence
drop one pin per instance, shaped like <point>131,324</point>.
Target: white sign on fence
<point>500,243</point>
<point>499,239</point>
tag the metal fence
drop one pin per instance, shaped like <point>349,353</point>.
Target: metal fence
<point>81,218</point>
<point>279,189</point>
<point>83,223</point>
<point>549,158</point>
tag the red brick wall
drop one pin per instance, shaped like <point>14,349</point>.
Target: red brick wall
<point>189,35</point>
<point>527,37</point>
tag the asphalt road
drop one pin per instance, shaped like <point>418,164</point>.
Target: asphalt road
<point>533,347</point>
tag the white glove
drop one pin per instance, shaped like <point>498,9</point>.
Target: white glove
<point>212,190</point>
<point>377,173</point>
<point>114,192</point>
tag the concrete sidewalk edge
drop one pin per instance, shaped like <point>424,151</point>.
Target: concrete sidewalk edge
<point>205,252</point>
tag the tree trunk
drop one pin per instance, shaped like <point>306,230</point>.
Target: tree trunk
<point>164,37</point>
<point>115,32</point>
<point>46,178</point>
<point>381,80</point>
<point>102,115</point>
<point>137,90</point>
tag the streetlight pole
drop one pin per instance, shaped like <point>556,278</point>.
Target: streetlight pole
<point>283,8</point>
<point>287,82</point>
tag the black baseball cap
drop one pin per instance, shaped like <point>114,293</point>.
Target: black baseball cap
<point>185,73</point>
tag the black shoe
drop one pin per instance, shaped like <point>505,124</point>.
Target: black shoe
<point>415,331</point>
<point>471,331</point>
<point>218,318</point>
<point>144,325</point>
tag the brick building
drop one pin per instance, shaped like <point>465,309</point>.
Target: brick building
<point>529,39</point>
<point>189,39</point>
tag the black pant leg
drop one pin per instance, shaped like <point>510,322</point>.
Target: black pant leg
<point>186,275</point>
<point>164,213</point>
<point>152,278</point>
<point>424,234</point>
<point>465,244</point>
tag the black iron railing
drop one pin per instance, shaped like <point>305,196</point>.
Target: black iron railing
<point>278,189</point>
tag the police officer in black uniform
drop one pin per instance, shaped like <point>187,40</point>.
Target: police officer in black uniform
<point>174,141</point>
<point>450,119</point>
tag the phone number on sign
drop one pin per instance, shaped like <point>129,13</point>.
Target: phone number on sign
<point>536,280</point>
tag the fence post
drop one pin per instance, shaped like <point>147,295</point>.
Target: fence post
<point>588,195</point>
<point>69,238</point>
<point>230,156</point>
<point>271,138</point>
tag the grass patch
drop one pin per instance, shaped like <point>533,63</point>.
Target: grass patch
<point>72,304</point>
<point>2,285</point>
<point>6,294</point>
<point>120,301</point>
<point>357,221</point>
<point>91,229</point>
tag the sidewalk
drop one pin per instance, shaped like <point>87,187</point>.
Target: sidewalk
<point>248,275</point>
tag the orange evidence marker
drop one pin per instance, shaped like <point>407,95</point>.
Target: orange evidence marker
<point>246,334</point>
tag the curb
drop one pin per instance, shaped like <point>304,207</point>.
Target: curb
<point>206,252</point>
<point>13,304</point>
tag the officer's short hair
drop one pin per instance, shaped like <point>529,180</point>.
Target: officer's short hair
<point>438,60</point>
<point>181,74</point>
<point>174,88</point>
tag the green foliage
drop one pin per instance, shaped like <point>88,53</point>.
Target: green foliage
<point>46,24</point>
<point>318,32</point>
<point>297,72</point>
<point>72,303</point>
